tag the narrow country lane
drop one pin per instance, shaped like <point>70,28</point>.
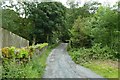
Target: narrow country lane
<point>60,65</point>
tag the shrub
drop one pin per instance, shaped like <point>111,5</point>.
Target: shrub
<point>96,52</point>
<point>12,52</point>
<point>5,52</point>
<point>40,46</point>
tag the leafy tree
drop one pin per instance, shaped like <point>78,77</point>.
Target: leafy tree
<point>47,17</point>
<point>16,24</point>
<point>87,10</point>
<point>108,19</point>
<point>102,28</point>
<point>38,22</point>
<point>79,38</point>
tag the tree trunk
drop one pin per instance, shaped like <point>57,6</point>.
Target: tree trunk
<point>34,40</point>
<point>47,38</point>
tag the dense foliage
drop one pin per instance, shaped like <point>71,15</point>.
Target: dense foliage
<point>16,63</point>
<point>16,24</point>
<point>41,22</point>
<point>99,28</point>
<point>84,26</point>
<point>97,52</point>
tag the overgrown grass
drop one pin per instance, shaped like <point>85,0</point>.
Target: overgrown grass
<point>33,69</point>
<point>43,59</point>
<point>107,69</point>
<point>44,56</point>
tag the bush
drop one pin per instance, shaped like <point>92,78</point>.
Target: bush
<point>12,52</point>
<point>40,46</point>
<point>79,36</point>
<point>96,52</point>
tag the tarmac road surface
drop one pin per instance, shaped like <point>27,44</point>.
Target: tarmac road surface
<point>60,65</point>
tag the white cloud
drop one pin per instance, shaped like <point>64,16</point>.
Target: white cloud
<point>104,2</point>
<point>111,2</point>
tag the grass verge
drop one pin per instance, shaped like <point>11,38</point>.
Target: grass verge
<point>107,68</point>
<point>43,59</point>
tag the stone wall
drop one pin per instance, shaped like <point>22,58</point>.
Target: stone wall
<point>8,39</point>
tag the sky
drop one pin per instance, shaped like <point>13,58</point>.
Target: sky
<point>111,2</point>
<point>104,2</point>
